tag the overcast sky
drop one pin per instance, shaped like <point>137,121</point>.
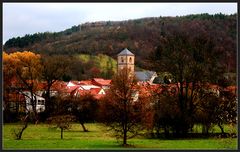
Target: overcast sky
<point>28,18</point>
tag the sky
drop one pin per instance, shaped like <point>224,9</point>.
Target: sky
<point>20,19</point>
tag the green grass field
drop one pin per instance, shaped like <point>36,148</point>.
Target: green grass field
<point>41,137</point>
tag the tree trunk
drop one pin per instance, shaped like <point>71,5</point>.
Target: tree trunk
<point>125,137</point>
<point>61,133</point>
<point>125,124</point>
<point>158,130</point>
<point>47,99</point>
<point>34,106</point>
<point>84,128</point>
<point>166,132</point>
<point>221,127</point>
<point>205,129</point>
<point>19,134</point>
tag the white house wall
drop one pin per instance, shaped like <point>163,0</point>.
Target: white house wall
<point>70,84</point>
<point>88,87</point>
<point>39,107</point>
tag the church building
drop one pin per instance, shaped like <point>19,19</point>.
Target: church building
<point>126,59</point>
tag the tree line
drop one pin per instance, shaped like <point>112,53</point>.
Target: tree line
<point>141,36</point>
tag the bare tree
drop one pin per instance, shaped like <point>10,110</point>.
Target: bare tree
<point>54,68</point>
<point>61,121</point>
<point>19,131</point>
<point>84,108</point>
<point>120,113</point>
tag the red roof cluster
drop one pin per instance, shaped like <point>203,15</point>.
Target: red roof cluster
<point>101,82</point>
<point>96,92</point>
<point>94,87</point>
<point>97,87</point>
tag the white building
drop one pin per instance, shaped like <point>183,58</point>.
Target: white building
<point>40,101</point>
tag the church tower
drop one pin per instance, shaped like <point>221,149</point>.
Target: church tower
<point>126,60</point>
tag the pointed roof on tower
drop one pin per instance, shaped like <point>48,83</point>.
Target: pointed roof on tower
<point>126,52</point>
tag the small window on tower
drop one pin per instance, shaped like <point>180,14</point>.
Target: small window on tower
<point>122,59</point>
<point>130,60</point>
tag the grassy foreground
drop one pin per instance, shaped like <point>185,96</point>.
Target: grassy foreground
<point>41,137</point>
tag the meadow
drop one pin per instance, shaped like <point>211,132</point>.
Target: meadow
<point>41,137</point>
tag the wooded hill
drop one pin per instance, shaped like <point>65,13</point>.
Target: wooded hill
<point>141,36</point>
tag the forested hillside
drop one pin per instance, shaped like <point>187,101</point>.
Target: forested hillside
<point>141,36</point>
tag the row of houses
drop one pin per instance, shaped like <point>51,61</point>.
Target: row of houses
<point>18,100</point>
<point>96,87</point>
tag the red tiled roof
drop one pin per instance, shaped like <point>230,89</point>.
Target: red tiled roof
<point>41,85</point>
<point>59,86</point>
<point>232,89</point>
<point>71,89</point>
<point>85,82</point>
<point>101,82</point>
<point>75,82</point>
<point>16,97</point>
<point>93,91</point>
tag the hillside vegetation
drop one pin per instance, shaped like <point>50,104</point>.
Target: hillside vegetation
<point>141,36</point>
<point>102,62</point>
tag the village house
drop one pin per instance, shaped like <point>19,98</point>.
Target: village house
<point>96,87</point>
<point>40,101</point>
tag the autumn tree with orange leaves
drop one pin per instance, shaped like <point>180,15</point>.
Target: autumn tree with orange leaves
<point>24,69</point>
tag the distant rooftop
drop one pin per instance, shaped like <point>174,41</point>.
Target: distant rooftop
<point>126,52</point>
<point>144,75</point>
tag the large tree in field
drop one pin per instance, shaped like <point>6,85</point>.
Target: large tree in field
<point>61,116</point>
<point>63,122</point>
<point>21,70</point>
<point>84,108</point>
<point>53,69</point>
<point>9,88</point>
<point>216,110</point>
<point>192,60</point>
<point>120,113</point>
<point>164,109</point>
<point>27,70</point>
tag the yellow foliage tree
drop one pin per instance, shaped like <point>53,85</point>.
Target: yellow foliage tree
<point>25,69</point>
